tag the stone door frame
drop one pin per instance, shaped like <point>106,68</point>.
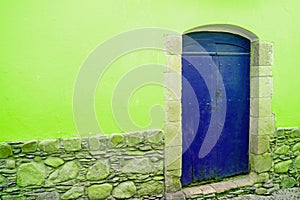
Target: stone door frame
<point>262,120</point>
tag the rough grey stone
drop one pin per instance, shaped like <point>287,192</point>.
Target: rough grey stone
<point>73,193</point>
<point>10,163</point>
<point>48,196</point>
<point>72,144</point>
<point>133,139</point>
<point>282,150</point>
<point>282,167</point>
<point>262,53</point>
<point>8,171</point>
<point>49,146</point>
<point>172,183</point>
<point>99,171</point>
<point>150,188</point>
<point>261,191</point>
<point>296,147</point>
<point>37,159</point>
<point>5,150</point>
<point>138,165</point>
<point>124,190</point>
<point>67,172</point>
<point>94,143</point>
<point>116,140</point>
<point>155,137</point>
<point>173,44</point>
<point>29,146</point>
<point>2,180</point>
<point>31,174</point>
<point>176,196</point>
<point>13,197</point>
<point>288,182</point>
<point>102,191</point>
<point>260,178</point>
<point>295,133</point>
<point>262,163</point>
<point>297,162</point>
<point>54,162</point>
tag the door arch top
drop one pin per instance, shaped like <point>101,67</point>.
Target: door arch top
<point>225,28</point>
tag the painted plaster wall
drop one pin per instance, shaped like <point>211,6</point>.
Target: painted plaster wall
<point>44,44</point>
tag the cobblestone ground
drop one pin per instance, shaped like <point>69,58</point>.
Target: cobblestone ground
<point>283,194</point>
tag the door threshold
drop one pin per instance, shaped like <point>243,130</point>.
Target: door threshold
<point>218,187</point>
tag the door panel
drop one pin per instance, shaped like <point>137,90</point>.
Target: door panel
<point>204,54</point>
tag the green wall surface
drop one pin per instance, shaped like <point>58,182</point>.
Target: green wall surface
<point>43,45</point>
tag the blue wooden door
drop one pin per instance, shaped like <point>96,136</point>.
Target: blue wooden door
<point>215,106</point>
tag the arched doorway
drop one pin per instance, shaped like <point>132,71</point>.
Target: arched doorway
<point>215,105</point>
<point>261,120</point>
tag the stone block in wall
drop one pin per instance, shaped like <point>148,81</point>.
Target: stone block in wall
<point>94,143</point>
<point>134,139</point>
<point>138,165</point>
<point>151,188</point>
<point>282,167</point>
<point>287,182</point>
<point>262,125</point>
<point>173,135</point>
<point>117,140</point>
<point>54,162</point>
<point>174,63</point>
<point>66,172</point>
<point>100,170</point>
<point>173,44</point>
<point>49,146</point>
<point>261,107</point>
<point>296,147</point>
<point>172,95</point>
<point>176,196</point>
<point>262,53</point>
<point>29,146</point>
<point>173,86</point>
<point>2,180</point>
<point>172,184</point>
<point>13,197</point>
<point>101,191</point>
<point>30,174</point>
<point>72,144</point>
<point>297,162</point>
<point>10,164</point>
<point>154,137</point>
<point>295,133</point>
<point>259,144</point>
<point>124,190</point>
<point>74,193</point>
<point>173,157</point>
<point>259,178</point>
<point>173,111</point>
<point>48,196</point>
<point>5,150</point>
<point>261,71</point>
<point>282,150</point>
<point>261,163</point>
<point>174,173</point>
<point>261,87</point>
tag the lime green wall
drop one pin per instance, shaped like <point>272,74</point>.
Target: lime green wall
<point>44,43</point>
